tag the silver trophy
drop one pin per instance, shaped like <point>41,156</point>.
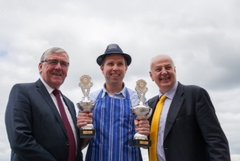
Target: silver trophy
<point>86,105</point>
<point>141,111</point>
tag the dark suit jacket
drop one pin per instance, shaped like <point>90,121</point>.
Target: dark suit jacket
<point>192,131</point>
<point>34,127</point>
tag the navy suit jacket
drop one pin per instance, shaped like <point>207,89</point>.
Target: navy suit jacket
<point>193,132</point>
<point>34,126</point>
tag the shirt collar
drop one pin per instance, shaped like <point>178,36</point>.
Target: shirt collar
<point>170,94</point>
<point>49,89</point>
<point>121,94</point>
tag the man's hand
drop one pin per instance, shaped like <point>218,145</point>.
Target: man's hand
<point>84,118</point>
<point>142,126</point>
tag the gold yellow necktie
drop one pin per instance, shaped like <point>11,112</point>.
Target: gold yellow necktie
<point>155,128</point>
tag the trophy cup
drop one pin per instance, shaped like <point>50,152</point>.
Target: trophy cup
<point>141,111</point>
<point>86,105</point>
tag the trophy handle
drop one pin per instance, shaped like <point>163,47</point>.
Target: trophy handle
<point>149,113</point>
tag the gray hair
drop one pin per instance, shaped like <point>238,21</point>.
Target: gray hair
<point>53,50</point>
<point>160,57</point>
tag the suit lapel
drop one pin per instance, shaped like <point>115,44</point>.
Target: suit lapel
<point>43,91</point>
<point>174,109</point>
<point>153,103</point>
<point>71,109</point>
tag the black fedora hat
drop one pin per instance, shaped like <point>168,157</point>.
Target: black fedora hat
<point>114,49</point>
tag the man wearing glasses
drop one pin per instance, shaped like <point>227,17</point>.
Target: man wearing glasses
<point>40,120</point>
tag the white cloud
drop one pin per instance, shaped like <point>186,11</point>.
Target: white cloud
<point>201,36</point>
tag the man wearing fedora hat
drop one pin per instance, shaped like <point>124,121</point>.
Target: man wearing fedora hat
<point>112,115</point>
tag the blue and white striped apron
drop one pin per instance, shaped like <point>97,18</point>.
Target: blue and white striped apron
<point>114,124</point>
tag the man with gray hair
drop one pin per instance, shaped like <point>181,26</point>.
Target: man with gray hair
<point>40,120</point>
<point>184,125</point>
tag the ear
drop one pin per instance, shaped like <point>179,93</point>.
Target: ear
<point>150,74</point>
<point>126,68</point>
<point>101,67</point>
<point>40,67</point>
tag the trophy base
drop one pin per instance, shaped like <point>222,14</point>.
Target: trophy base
<point>141,143</point>
<point>87,133</point>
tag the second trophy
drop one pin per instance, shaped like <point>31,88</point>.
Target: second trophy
<point>142,111</point>
<point>86,105</point>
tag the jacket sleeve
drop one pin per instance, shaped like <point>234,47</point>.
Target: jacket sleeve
<point>18,120</point>
<point>217,144</point>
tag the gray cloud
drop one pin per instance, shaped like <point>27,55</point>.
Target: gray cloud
<point>201,36</point>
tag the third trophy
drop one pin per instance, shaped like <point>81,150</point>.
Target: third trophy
<point>141,111</point>
<point>86,105</point>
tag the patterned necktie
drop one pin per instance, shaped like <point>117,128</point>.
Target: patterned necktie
<point>70,135</point>
<point>155,129</point>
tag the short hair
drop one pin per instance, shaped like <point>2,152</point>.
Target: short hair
<point>53,50</point>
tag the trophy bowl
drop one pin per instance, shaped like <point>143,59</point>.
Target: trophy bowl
<point>141,111</point>
<point>85,106</point>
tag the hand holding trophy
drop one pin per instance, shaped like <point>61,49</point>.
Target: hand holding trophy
<point>142,111</point>
<point>86,105</point>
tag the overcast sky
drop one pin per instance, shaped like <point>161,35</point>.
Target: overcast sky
<point>203,37</point>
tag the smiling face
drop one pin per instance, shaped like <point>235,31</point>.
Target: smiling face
<point>163,72</point>
<point>114,68</point>
<point>54,69</point>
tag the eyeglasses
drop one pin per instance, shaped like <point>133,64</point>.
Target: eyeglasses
<point>54,62</point>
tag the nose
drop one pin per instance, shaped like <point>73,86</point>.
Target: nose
<point>164,71</point>
<point>58,65</point>
<point>115,67</point>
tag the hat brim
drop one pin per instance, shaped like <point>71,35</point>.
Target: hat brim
<point>101,58</point>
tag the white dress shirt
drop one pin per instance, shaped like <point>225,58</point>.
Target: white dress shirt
<point>170,94</point>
